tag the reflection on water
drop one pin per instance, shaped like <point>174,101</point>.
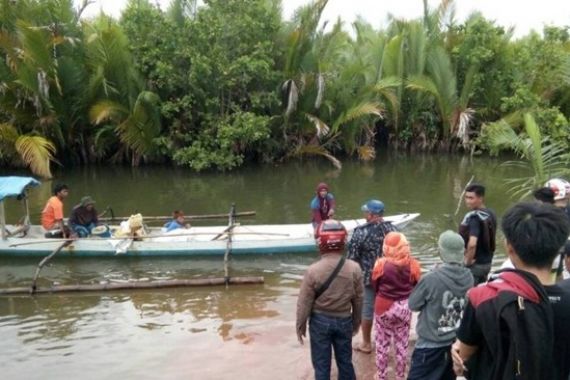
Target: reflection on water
<point>208,333</point>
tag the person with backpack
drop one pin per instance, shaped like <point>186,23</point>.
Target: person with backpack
<point>478,230</point>
<point>509,327</point>
<point>440,297</point>
<point>394,277</point>
<point>331,299</point>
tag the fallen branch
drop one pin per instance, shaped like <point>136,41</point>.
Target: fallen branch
<point>44,262</point>
<point>135,285</point>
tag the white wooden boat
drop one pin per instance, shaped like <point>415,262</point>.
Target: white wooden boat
<point>246,239</point>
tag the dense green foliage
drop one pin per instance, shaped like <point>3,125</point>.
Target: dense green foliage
<point>217,85</point>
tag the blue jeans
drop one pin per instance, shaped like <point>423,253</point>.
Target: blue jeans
<point>431,364</point>
<point>82,231</point>
<point>326,332</point>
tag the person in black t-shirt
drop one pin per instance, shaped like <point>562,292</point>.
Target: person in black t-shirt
<point>515,326</point>
<point>478,230</point>
<point>559,296</point>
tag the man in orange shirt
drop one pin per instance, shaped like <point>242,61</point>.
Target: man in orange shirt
<point>52,214</point>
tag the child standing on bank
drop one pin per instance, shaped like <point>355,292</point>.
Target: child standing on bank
<point>394,277</point>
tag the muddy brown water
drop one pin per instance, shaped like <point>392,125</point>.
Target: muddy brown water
<point>212,332</point>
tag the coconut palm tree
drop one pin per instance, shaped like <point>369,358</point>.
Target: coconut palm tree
<point>441,83</point>
<point>120,105</point>
<point>37,40</point>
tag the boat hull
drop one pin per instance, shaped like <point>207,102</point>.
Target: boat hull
<point>249,239</point>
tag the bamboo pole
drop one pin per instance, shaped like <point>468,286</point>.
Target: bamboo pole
<point>230,228</point>
<point>3,221</point>
<point>216,281</point>
<point>189,217</point>
<point>44,262</point>
<point>462,195</point>
<point>146,237</point>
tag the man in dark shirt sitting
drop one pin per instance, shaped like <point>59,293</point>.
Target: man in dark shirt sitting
<point>84,217</point>
<point>478,230</point>
<point>515,325</point>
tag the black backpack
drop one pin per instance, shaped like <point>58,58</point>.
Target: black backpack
<point>519,334</point>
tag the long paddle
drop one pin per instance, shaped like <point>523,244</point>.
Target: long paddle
<point>44,262</point>
<point>189,217</point>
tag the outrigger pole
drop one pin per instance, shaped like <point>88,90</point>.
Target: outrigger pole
<point>134,285</point>
<point>3,221</point>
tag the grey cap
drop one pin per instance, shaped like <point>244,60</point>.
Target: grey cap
<point>451,247</point>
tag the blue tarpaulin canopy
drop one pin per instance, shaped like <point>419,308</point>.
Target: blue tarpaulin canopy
<point>14,186</point>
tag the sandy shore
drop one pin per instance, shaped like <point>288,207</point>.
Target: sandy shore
<point>364,364</point>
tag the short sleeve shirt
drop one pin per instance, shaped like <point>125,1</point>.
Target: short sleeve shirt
<point>559,296</point>
<point>482,253</point>
<point>52,212</point>
<point>469,331</point>
<point>365,246</point>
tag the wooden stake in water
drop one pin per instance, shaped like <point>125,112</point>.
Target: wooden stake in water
<point>230,228</point>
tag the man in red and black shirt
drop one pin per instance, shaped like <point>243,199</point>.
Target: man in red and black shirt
<point>511,325</point>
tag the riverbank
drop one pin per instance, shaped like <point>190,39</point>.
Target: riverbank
<point>364,364</point>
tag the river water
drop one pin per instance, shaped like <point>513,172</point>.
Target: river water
<point>209,333</point>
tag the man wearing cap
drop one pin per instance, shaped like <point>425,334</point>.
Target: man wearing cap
<point>365,247</point>
<point>440,299</point>
<point>331,299</point>
<point>84,217</point>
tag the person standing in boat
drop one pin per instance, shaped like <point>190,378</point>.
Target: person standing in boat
<point>331,299</point>
<point>84,217</point>
<point>365,247</point>
<point>52,214</point>
<point>323,205</point>
<point>478,230</point>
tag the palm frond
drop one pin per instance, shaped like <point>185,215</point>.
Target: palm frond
<point>358,111</point>
<point>36,152</point>
<point>317,150</point>
<point>143,125</point>
<point>322,128</point>
<point>107,110</point>
<point>8,134</point>
<point>292,96</point>
<point>320,90</point>
<point>467,89</point>
<point>535,152</point>
<point>366,153</point>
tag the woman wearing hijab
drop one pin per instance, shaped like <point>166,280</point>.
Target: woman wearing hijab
<point>394,276</point>
<point>322,205</point>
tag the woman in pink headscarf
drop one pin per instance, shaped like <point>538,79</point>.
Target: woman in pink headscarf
<point>322,205</point>
<point>394,276</point>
